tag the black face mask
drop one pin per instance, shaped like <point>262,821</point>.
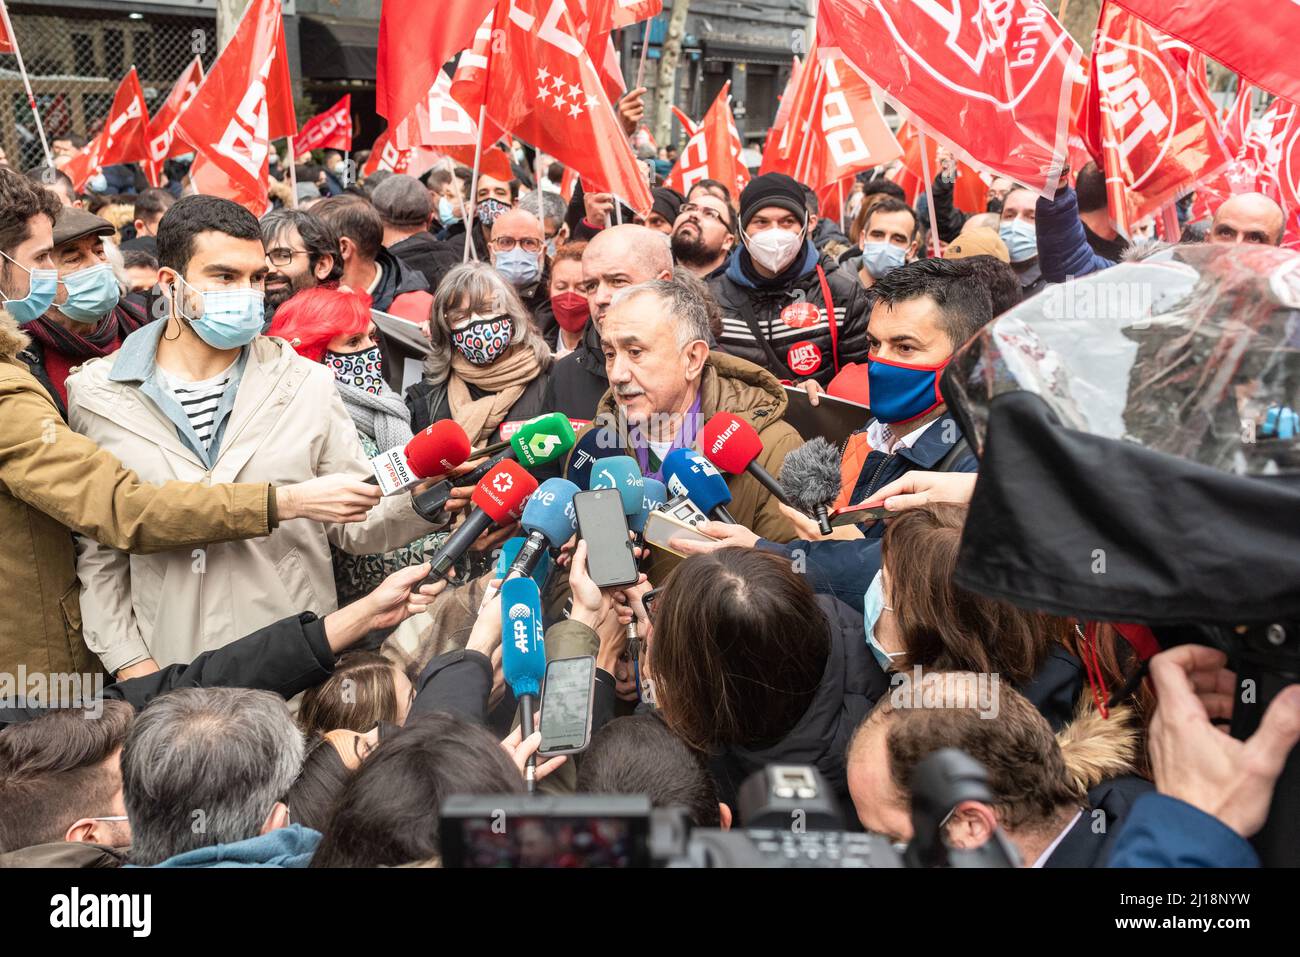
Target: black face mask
<point>994,206</point>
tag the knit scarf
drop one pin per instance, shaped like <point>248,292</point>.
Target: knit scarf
<point>383,417</point>
<point>100,340</point>
<point>504,382</point>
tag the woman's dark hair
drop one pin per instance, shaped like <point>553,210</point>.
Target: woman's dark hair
<point>945,627</point>
<point>320,782</point>
<point>740,645</point>
<point>360,693</point>
<point>388,812</point>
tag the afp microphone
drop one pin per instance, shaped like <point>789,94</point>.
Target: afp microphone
<point>733,445</point>
<point>499,499</point>
<point>691,474</point>
<point>549,520</point>
<point>523,654</point>
<point>435,451</point>
<point>810,476</point>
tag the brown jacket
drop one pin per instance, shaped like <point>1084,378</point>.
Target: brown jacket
<point>53,480</point>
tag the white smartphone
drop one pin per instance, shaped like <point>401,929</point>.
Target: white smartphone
<point>661,528</point>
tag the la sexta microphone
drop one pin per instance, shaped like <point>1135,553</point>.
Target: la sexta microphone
<point>435,451</point>
<point>655,493</point>
<point>523,654</point>
<point>733,445</point>
<point>549,520</point>
<point>691,474</point>
<point>498,498</point>
<point>810,476</point>
<point>541,439</point>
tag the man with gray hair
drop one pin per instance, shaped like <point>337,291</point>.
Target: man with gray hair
<point>406,209</point>
<point>204,775</point>
<point>665,383</point>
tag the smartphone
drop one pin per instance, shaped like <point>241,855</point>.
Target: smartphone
<point>603,526</point>
<point>568,694</point>
<point>684,510</point>
<point>857,514</point>
<point>661,528</point>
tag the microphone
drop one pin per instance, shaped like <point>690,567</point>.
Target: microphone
<point>435,451</point>
<point>732,444</point>
<point>691,474</point>
<point>620,472</point>
<point>523,654</point>
<point>655,494</point>
<point>509,551</point>
<point>500,498</point>
<point>549,520</point>
<point>810,478</point>
<point>536,441</point>
<point>596,443</point>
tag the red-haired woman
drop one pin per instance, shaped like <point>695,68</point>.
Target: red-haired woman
<point>333,326</point>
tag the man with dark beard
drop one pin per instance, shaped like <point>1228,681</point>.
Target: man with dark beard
<point>703,234</point>
<point>302,252</point>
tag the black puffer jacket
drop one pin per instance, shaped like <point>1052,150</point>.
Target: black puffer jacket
<point>791,352</point>
<point>850,687</point>
<point>430,257</point>
<point>578,381</point>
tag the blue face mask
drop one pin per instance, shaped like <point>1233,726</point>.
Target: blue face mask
<point>41,290</point>
<point>1021,239</point>
<point>882,258</point>
<point>873,604</point>
<point>92,293</point>
<point>900,392</point>
<point>446,212</point>
<point>520,268</point>
<point>232,318</point>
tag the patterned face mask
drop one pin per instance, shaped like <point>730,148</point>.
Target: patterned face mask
<point>484,340</point>
<point>364,370</point>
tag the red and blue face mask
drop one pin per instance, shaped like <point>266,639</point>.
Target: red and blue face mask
<point>901,392</point>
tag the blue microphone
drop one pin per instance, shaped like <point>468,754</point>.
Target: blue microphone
<point>523,654</point>
<point>597,442</point>
<point>656,493</point>
<point>510,551</point>
<point>691,474</point>
<point>549,520</point>
<point>620,472</point>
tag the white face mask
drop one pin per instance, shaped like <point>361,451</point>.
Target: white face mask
<point>774,249</point>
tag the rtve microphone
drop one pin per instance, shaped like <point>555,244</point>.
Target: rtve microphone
<point>691,474</point>
<point>500,498</point>
<point>523,654</point>
<point>655,493</point>
<point>549,520</point>
<point>733,445</point>
<point>435,451</point>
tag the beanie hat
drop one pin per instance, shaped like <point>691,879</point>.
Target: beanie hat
<point>772,189</point>
<point>667,202</point>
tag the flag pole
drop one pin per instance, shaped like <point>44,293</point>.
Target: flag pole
<point>541,206</point>
<point>27,85</point>
<point>293,173</point>
<point>473,181</point>
<point>929,189</point>
<point>645,47</point>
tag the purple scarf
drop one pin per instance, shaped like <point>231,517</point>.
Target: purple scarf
<point>685,439</point>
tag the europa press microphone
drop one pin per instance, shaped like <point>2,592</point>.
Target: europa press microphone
<point>691,474</point>
<point>435,451</point>
<point>549,520</point>
<point>810,476</point>
<point>733,445</point>
<point>499,498</point>
<point>523,655</point>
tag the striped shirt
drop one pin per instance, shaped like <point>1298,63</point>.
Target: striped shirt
<point>198,399</point>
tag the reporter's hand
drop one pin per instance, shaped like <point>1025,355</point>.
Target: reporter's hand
<point>631,109</point>
<point>1203,765</point>
<point>391,603</point>
<point>137,670</point>
<point>332,499</point>
<point>726,535</point>
<point>486,634</point>
<point>814,390</point>
<point>520,751</point>
<point>809,530</point>
<point>494,537</point>
<point>591,605</point>
<point>924,488</point>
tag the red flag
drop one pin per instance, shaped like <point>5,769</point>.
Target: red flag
<point>1237,126</point>
<point>416,37</point>
<point>124,138</point>
<point>594,20</point>
<point>792,125</point>
<point>541,85</point>
<point>849,134</point>
<point>628,12</point>
<point>1146,120</point>
<point>690,127</point>
<point>991,81</point>
<point>1253,40</point>
<point>385,155</point>
<point>163,143</point>
<point>7,42</point>
<point>713,152</point>
<point>245,102</point>
<point>331,130</point>
<point>969,192</point>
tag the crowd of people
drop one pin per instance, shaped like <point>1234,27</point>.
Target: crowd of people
<point>190,398</point>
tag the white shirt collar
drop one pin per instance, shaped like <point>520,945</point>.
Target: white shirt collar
<point>1047,851</point>
<point>374,283</point>
<point>876,437</point>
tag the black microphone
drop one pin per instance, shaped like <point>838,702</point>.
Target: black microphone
<point>810,477</point>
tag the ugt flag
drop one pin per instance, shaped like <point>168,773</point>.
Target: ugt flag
<point>123,139</point>
<point>991,81</point>
<point>163,143</point>
<point>331,130</point>
<point>713,151</point>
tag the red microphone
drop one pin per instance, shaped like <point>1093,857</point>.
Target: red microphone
<point>732,444</point>
<point>435,451</point>
<point>499,497</point>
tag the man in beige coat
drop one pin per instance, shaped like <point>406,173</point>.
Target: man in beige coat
<point>54,482</point>
<point>203,397</point>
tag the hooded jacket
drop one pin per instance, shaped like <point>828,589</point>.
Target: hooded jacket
<point>291,846</point>
<point>66,854</point>
<point>401,290</point>
<point>851,684</point>
<point>578,382</point>
<point>789,351</point>
<point>54,482</point>
<point>429,257</point>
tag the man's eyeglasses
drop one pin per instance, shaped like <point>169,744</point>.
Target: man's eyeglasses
<point>282,256</point>
<point>529,244</point>
<point>707,211</point>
